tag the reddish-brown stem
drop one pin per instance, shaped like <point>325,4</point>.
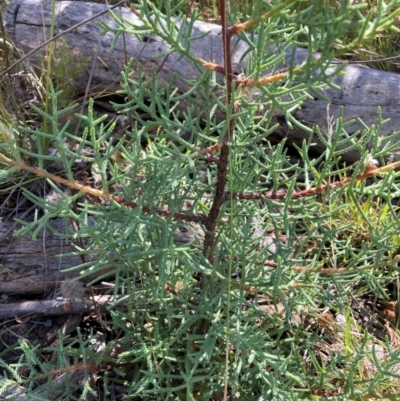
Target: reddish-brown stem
<point>212,218</point>
<point>218,201</point>
<point>304,193</point>
<point>100,194</point>
<point>163,213</point>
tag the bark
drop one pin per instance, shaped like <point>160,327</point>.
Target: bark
<point>56,307</point>
<point>363,89</point>
<point>38,266</point>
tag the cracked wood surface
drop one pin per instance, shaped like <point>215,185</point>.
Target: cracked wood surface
<point>38,266</point>
<point>363,89</point>
<point>35,266</point>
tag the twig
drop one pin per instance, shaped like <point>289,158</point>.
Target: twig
<point>218,200</point>
<point>209,221</point>
<point>59,36</point>
<point>377,60</point>
<point>100,194</point>
<point>56,307</point>
<point>311,191</point>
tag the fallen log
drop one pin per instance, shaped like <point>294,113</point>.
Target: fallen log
<point>363,89</point>
<point>36,267</point>
<point>56,307</point>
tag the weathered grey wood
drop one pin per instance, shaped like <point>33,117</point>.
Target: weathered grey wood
<point>56,307</point>
<point>30,267</point>
<point>14,392</point>
<point>35,267</point>
<point>364,89</point>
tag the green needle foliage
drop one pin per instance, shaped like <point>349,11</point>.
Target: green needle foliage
<point>241,311</point>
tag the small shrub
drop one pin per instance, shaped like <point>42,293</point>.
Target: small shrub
<point>245,309</point>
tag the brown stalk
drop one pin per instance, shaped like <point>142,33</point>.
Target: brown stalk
<point>311,191</point>
<point>234,29</point>
<point>195,218</point>
<point>100,194</point>
<point>212,218</point>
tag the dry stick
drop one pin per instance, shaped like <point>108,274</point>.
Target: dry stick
<point>59,36</point>
<point>88,86</point>
<point>247,82</point>
<point>5,49</point>
<point>235,29</point>
<point>311,191</point>
<point>7,83</point>
<point>190,218</point>
<point>376,60</point>
<point>185,217</point>
<point>323,271</point>
<point>100,194</point>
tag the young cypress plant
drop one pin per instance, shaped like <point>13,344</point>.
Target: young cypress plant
<point>245,308</point>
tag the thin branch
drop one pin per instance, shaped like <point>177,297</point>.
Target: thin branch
<point>59,36</point>
<point>376,60</point>
<point>100,194</point>
<point>234,29</point>
<point>311,191</point>
<point>209,221</point>
<point>218,201</point>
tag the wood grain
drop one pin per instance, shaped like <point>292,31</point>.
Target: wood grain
<point>363,89</point>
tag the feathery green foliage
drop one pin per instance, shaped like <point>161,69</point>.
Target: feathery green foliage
<point>243,317</point>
